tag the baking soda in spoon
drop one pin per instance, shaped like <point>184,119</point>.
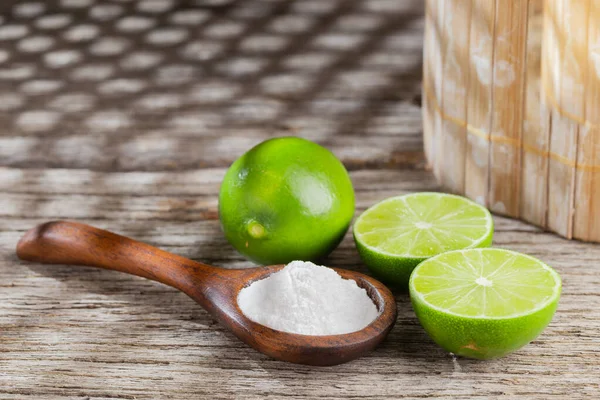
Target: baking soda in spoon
<point>308,299</point>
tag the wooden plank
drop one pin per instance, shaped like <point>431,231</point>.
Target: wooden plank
<point>587,195</point>
<point>570,33</point>
<point>138,196</point>
<point>153,150</point>
<point>509,69</point>
<point>480,101</point>
<point>16,181</point>
<point>163,192</point>
<point>535,126</point>
<point>457,16</point>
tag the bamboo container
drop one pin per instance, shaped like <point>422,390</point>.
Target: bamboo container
<point>512,108</point>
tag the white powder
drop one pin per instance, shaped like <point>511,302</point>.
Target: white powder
<point>308,299</point>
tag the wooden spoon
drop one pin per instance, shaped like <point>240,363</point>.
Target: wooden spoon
<point>215,289</point>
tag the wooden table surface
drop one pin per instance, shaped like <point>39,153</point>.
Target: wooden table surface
<point>126,114</point>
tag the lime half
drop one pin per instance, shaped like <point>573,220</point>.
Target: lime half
<point>395,235</point>
<point>484,303</point>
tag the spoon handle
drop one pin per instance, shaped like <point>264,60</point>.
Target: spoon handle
<point>62,242</point>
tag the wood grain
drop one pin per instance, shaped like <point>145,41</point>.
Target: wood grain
<point>439,52</point>
<point>479,99</point>
<point>455,82</point>
<point>586,224</point>
<point>509,67</point>
<point>433,85</point>
<point>569,29</point>
<point>428,102</point>
<point>531,144</point>
<point>533,202</point>
<point>60,324</point>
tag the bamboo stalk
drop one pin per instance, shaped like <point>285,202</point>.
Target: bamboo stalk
<point>457,15</point>
<point>439,44</point>
<point>510,45</point>
<point>587,194</point>
<point>569,25</point>
<point>429,109</point>
<point>550,84</point>
<point>534,137</point>
<point>479,99</point>
<point>432,83</point>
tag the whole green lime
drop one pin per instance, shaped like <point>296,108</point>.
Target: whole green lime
<point>286,199</point>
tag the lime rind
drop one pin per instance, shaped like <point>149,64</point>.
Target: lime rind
<point>555,289</point>
<point>455,227</point>
<point>286,199</point>
<point>482,338</point>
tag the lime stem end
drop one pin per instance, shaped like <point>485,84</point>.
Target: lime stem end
<point>256,230</point>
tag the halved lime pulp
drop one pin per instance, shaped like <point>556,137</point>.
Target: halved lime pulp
<point>396,234</point>
<point>484,303</point>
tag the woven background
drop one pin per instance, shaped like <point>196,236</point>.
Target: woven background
<point>124,85</point>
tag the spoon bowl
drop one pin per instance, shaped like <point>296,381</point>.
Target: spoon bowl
<point>215,289</point>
